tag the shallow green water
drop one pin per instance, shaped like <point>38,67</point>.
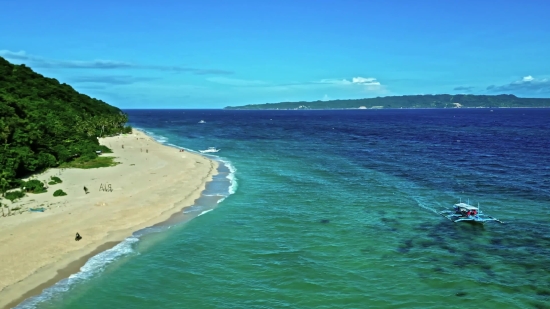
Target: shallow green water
<point>346,219</point>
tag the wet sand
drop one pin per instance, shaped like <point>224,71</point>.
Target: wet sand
<point>152,183</point>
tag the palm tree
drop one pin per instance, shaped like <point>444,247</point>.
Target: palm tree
<point>5,134</point>
<point>4,183</point>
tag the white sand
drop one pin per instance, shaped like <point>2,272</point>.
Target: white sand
<point>148,187</point>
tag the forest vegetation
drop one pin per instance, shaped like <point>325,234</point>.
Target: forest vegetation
<point>45,123</point>
<point>411,101</point>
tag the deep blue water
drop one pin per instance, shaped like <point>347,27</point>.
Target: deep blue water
<point>338,209</point>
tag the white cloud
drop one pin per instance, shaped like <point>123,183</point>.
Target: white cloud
<point>365,81</point>
<point>368,83</point>
<point>36,61</point>
<point>526,85</point>
<point>335,81</point>
<point>20,55</point>
<point>326,98</point>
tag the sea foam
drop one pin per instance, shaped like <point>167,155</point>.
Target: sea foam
<point>206,211</point>
<point>93,266</point>
<point>98,263</point>
<point>231,176</point>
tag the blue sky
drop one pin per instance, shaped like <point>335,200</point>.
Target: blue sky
<point>211,54</point>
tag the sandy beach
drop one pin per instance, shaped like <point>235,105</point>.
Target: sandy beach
<point>152,182</point>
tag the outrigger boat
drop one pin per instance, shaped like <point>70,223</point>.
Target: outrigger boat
<point>464,212</point>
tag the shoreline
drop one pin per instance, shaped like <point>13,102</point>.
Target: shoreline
<point>146,204</point>
<point>383,108</point>
<point>63,273</point>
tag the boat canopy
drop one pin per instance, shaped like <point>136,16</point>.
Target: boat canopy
<point>466,206</point>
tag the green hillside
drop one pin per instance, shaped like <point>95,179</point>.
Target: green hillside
<point>410,101</point>
<point>44,123</point>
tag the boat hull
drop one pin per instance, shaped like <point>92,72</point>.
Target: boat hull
<point>464,212</point>
<point>470,219</point>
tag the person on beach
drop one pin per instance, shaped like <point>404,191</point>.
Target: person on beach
<point>78,237</point>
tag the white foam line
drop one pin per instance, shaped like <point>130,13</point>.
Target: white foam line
<point>231,176</point>
<point>206,211</point>
<point>97,264</point>
<point>93,266</point>
<point>232,169</point>
<point>157,137</point>
<point>217,194</point>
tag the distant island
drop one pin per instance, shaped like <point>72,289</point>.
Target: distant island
<point>409,101</point>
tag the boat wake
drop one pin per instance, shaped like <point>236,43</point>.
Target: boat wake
<point>425,205</point>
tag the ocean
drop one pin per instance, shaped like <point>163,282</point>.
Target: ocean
<point>339,209</point>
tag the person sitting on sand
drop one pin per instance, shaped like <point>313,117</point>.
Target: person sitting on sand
<point>78,237</point>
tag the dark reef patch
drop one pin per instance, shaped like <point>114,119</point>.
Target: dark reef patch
<point>406,246</point>
<point>439,270</point>
<point>543,292</point>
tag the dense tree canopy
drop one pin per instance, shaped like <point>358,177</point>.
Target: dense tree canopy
<point>44,123</point>
<point>410,101</point>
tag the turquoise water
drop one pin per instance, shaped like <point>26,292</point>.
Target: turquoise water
<point>339,210</point>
